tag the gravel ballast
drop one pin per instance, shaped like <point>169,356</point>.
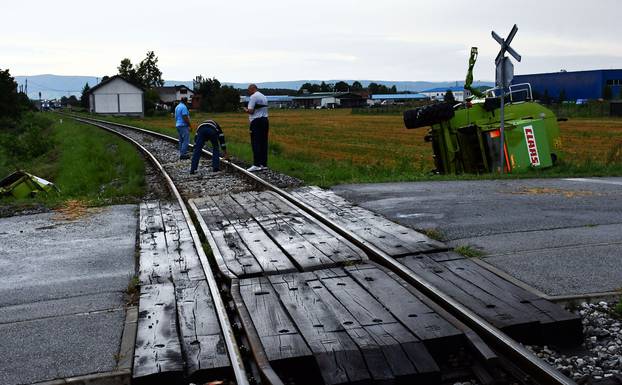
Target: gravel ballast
<point>204,181</point>
<point>598,360</point>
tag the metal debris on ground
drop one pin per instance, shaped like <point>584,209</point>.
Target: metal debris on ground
<point>21,184</point>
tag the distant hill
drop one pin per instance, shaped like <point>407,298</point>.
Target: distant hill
<point>57,86</point>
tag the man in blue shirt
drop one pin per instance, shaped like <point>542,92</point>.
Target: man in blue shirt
<point>182,123</point>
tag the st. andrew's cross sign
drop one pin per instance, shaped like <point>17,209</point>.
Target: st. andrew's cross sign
<point>504,76</point>
<point>505,68</point>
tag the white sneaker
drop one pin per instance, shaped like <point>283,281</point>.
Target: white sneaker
<point>263,168</point>
<point>254,168</point>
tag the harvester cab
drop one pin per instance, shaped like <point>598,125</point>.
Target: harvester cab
<point>466,137</point>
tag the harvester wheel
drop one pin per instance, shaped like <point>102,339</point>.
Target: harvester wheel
<point>428,115</point>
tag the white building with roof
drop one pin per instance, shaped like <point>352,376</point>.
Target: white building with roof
<point>460,94</point>
<point>117,96</point>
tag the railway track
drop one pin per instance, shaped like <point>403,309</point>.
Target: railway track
<point>230,284</point>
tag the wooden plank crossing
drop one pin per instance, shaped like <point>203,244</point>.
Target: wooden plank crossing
<point>513,309</point>
<point>394,239</point>
<point>178,335</point>
<point>260,234</point>
<point>339,325</point>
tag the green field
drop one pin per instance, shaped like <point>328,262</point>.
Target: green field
<point>86,163</point>
<point>328,147</point>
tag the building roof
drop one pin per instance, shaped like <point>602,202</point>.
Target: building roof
<point>110,79</point>
<point>271,98</point>
<point>571,72</point>
<point>171,89</point>
<point>397,96</point>
<point>445,89</point>
<point>319,95</point>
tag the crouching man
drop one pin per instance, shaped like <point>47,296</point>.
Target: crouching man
<point>209,131</point>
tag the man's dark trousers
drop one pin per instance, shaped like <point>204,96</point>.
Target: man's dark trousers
<point>206,132</point>
<point>259,141</point>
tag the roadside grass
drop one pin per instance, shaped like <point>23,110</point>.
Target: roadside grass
<point>433,233</point>
<point>469,251</point>
<point>328,147</point>
<point>86,164</point>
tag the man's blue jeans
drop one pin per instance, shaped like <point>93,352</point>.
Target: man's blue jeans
<point>184,139</point>
<point>206,133</point>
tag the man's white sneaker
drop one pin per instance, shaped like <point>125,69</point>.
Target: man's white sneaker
<point>254,168</point>
<point>263,168</point>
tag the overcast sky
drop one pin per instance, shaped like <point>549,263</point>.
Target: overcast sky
<point>269,40</point>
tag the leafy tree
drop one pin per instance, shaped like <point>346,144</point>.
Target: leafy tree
<point>607,92</point>
<point>356,86</point>
<point>449,97</point>
<point>311,88</point>
<point>73,101</point>
<point>151,99</point>
<point>326,87</point>
<point>342,87</point>
<point>214,96</point>
<point>393,89</point>
<point>84,98</point>
<point>374,88</point>
<point>146,74</point>
<point>148,71</point>
<point>128,72</point>
<point>10,107</point>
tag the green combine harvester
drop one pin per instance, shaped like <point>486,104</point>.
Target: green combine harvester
<point>466,137</point>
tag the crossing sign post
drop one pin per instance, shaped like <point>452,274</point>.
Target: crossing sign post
<point>504,76</point>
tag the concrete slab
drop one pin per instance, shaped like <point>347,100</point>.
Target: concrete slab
<point>62,293</point>
<point>566,271</point>
<point>59,347</point>
<point>544,232</point>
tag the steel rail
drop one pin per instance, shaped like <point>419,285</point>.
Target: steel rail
<point>232,348</point>
<point>517,353</point>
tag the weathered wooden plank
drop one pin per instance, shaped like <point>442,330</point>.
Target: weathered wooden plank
<point>317,234</point>
<point>394,335</point>
<point>361,314</point>
<point>338,357</point>
<point>483,303</point>
<point>236,256</point>
<point>153,266</point>
<point>395,239</point>
<point>158,351</point>
<point>302,252</point>
<point>422,321</point>
<point>267,253</point>
<point>150,217</point>
<point>202,341</point>
<point>557,324</point>
<point>276,330</point>
<point>185,263</point>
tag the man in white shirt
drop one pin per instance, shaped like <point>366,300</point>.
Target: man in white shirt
<point>257,111</point>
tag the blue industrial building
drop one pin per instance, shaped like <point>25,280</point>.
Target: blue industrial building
<point>576,85</point>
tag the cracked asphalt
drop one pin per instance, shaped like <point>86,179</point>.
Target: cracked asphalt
<point>560,236</point>
<point>62,293</point>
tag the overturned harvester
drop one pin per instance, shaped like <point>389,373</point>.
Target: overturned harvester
<point>466,137</point>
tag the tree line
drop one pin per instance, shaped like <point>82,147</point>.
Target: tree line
<point>341,86</point>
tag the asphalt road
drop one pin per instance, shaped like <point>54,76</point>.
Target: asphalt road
<point>62,293</point>
<point>560,236</point>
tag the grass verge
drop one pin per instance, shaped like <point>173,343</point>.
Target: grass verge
<point>86,163</point>
<point>328,147</point>
<point>469,251</point>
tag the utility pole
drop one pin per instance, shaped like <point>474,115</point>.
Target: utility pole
<point>504,76</point>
